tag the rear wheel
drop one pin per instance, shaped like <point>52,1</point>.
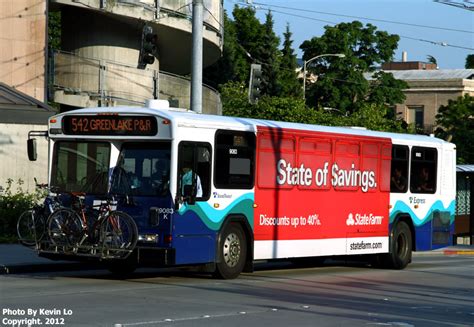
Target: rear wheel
<point>400,247</point>
<point>233,252</point>
<point>65,228</point>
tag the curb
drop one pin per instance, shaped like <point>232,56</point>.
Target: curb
<point>458,252</point>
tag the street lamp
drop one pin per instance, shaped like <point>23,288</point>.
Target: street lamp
<point>306,62</point>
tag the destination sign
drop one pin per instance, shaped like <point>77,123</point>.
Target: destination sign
<point>110,125</point>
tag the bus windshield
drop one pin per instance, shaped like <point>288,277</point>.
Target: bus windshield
<point>80,166</point>
<point>142,169</point>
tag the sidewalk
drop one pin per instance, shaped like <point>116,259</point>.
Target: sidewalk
<point>18,259</point>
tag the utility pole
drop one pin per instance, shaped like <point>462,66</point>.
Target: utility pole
<point>196,63</point>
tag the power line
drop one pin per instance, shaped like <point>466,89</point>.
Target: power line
<point>366,18</point>
<point>214,17</point>
<point>444,44</point>
<point>457,4</point>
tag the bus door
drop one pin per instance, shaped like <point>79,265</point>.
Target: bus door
<point>141,180</point>
<point>193,233</point>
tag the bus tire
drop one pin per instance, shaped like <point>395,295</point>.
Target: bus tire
<point>232,252</point>
<point>400,247</point>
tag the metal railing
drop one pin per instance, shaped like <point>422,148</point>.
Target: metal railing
<point>157,9</point>
<point>115,83</point>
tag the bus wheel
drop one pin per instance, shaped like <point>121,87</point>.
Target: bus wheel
<point>400,247</point>
<point>233,251</point>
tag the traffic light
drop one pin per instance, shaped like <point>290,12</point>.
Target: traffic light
<point>254,83</point>
<point>148,47</point>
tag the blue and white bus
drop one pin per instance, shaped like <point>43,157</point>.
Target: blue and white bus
<point>225,191</point>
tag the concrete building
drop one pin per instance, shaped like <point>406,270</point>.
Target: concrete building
<point>19,114</point>
<point>96,65</point>
<point>100,45</point>
<point>23,46</point>
<point>430,89</point>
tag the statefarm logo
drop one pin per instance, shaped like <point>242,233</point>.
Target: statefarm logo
<point>350,220</point>
<point>363,219</point>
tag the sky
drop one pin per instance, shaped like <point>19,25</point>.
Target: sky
<point>448,37</point>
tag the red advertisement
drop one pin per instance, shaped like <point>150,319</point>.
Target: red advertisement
<point>320,186</point>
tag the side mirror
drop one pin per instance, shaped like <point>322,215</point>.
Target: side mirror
<point>31,147</point>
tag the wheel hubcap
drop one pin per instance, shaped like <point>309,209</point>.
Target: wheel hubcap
<point>231,250</point>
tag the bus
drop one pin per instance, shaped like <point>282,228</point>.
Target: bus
<point>224,192</point>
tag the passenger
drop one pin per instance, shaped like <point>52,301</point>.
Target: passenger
<point>187,179</point>
<point>398,181</point>
<point>424,183</point>
<point>161,176</point>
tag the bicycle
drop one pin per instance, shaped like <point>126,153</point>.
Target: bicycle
<point>103,231</point>
<point>31,224</point>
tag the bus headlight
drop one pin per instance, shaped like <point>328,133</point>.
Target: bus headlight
<point>148,238</point>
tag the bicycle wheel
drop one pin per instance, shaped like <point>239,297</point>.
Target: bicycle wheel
<point>30,227</point>
<point>65,227</point>
<point>118,234</point>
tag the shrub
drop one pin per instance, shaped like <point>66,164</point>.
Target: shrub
<point>12,204</point>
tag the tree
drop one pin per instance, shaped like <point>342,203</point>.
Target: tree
<point>249,32</point>
<point>469,61</point>
<point>294,109</point>
<point>247,41</point>
<point>385,89</point>
<point>432,60</point>
<point>456,123</point>
<point>290,85</point>
<point>268,56</point>
<point>341,83</point>
<point>233,64</point>
<point>54,30</point>
<point>243,38</point>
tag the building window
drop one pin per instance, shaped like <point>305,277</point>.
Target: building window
<point>416,116</point>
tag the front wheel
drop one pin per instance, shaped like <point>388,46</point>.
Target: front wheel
<point>400,247</point>
<point>30,227</point>
<point>233,252</point>
<point>119,235</point>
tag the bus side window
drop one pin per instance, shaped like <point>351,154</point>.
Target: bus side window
<point>194,169</point>
<point>423,170</point>
<point>234,160</point>
<point>399,169</point>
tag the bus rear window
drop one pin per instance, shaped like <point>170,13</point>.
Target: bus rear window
<point>423,170</point>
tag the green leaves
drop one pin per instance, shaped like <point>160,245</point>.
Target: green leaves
<point>246,42</point>
<point>456,123</point>
<point>341,83</point>
<point>291,109</point>
<point>12,204</point>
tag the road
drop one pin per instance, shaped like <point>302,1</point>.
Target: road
<point>435,290</point>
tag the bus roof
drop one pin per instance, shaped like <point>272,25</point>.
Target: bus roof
<point>183,117</point>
